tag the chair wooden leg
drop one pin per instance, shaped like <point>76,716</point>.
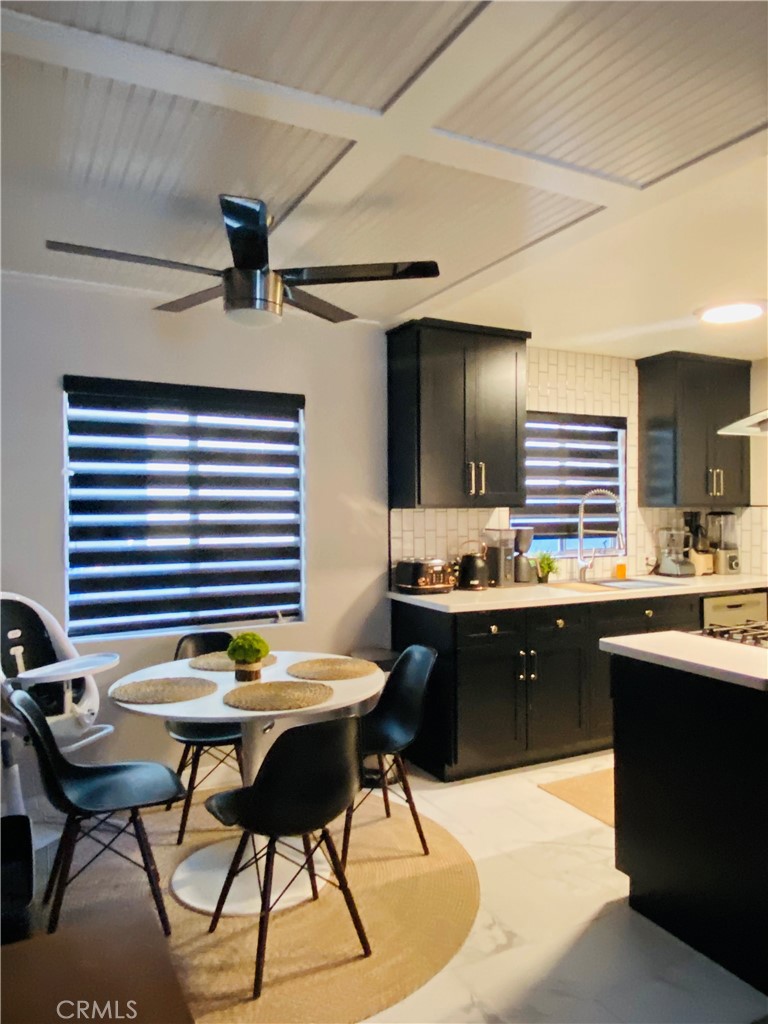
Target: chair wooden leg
<point>234,865</point>
<point>384,786</point>
<point>196,755</point>
<point>151,868</point>
<point>238,745</point>
<point>310,864</point>
<point>266,895</point>
<point>347,835</point>
<point>54,869</point>
<point>180,769</point>
<point>338,870</point>
<point>409,797</point>
<point>67,849</point>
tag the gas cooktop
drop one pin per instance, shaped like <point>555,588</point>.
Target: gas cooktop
<point>750,632</point>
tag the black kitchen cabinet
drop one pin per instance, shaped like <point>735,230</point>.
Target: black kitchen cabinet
<point>684,399</point>
<point>509,687</point>
<point>456,412</point>
<point>623,618</point>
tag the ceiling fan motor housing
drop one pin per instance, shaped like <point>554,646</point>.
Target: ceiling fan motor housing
<point>253,289</point>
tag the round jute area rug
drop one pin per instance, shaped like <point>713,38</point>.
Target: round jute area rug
<point>416,909</point>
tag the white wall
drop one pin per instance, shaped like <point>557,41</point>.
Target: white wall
<point>50,328</point>
<point>759,445</point>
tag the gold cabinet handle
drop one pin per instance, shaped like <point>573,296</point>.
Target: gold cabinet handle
<point>721,488</point>
<point>521,673</point>
<point>711,489</point>
<point>560,623</point>
<point>494,629</point>
<point>482,478</point>
<point>534,665</point>
<point>649,613</point>
<point>472,480</point>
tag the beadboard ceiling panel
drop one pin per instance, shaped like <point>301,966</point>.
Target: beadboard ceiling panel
<point>362,53</point>
<point>139,170</point>
<point>633,91</point>
<point>420,210</point>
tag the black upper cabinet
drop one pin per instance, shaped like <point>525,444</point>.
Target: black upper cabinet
<point>456,415</point>
<point>684,399</point>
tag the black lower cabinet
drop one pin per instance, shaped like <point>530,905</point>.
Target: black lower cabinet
<point>623,618</point>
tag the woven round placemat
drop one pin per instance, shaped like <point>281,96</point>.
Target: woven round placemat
<point>279,696</point>
<point>164,691</point>
<point>220,661</point>
<point>331,668</point>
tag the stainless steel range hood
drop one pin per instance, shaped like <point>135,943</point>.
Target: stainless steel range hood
<point>755,425</point>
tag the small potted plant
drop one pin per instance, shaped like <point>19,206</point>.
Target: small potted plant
<point>545,564</point>
<point>248,650</point>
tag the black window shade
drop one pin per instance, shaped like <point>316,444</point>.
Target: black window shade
<point>566,456</point>
<point>185,506</point>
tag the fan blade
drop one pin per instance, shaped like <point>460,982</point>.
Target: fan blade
<point>311,304</point>
<point>246,224</point>
<point>359,272</point>
<point>195,299</point>
<point>129,257</point>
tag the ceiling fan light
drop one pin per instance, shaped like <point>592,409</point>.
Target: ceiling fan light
<point>732,313</point>
<point>253,319</point>
<point>253,298</point>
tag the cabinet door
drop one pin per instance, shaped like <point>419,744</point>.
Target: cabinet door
<point>622,618</point>
<point>557,678</point>
<point>442,458</point>
<point>495,417</point>
<point>730,455</point>
<point>694,455</point>
<point>490,707</point>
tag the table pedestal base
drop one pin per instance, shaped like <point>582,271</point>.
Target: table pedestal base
<point>197,881</point>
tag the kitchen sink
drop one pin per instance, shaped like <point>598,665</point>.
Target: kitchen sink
<point>575,586</point>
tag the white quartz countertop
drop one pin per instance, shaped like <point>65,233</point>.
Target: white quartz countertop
<point>535,595</point>
<point>701,655</point>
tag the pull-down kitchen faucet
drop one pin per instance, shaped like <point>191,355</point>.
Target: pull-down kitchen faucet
<point>583,563</point>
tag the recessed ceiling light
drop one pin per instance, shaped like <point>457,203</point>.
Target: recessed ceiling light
<point>733,313</point>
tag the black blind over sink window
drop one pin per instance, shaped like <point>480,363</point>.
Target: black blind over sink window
<point>185,506</point>
<point>567,455</point>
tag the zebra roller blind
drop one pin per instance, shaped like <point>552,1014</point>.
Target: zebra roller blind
<point>185,506</point>
<point>566,456</point>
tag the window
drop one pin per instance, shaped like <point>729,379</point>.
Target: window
<point>184,506</point>
<point>566,456</point>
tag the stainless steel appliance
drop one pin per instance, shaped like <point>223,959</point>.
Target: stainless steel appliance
<point>672,560</point>
<point>699,554</point>
<point>751,634</point>
<point>732,609</point>
<point>424,576</point>
<point>721,531</point>
<point>525,569</point>
<point>500,556</point>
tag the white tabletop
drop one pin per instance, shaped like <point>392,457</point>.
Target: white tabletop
<point>355,695</point>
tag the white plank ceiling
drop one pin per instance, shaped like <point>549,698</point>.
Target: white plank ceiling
<point>489,137</point>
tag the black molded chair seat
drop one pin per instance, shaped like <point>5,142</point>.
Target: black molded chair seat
<point>390,728</point>
<point>203,737</point>
<point>309,776</point>
<point>205,732</point>
<point>95,791</point>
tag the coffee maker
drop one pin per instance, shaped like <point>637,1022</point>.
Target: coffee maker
<point>699,553</point>
<point>500,556</point>
<point>721,531</point>
<point>525,569</point>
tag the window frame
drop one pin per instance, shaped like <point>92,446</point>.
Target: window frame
<point>211,522</point>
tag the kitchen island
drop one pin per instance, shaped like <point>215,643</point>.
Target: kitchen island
<point>691,783</point>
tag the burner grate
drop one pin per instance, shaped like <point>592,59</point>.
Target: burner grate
<point>749,632</point>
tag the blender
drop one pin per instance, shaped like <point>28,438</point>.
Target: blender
<point>721,530</point>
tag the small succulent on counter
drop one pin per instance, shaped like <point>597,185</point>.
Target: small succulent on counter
<point>545,564</point>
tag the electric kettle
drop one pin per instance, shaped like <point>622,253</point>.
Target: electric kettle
<point>473,571</point>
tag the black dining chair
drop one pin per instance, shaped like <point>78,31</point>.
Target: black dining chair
<point>309,776</point>
<point>201,738</point>
<point>387,730</point>
<point>95,791</point>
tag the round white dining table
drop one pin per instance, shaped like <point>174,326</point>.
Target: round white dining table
<point>197,881</point>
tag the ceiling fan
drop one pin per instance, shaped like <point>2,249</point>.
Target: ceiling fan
<point>252,291</point>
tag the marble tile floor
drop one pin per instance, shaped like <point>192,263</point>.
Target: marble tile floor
<point>554,941</point>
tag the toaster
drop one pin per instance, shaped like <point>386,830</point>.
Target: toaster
<point>424,576</point>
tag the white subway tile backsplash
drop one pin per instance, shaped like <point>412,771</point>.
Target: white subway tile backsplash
<point>578,383</point>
